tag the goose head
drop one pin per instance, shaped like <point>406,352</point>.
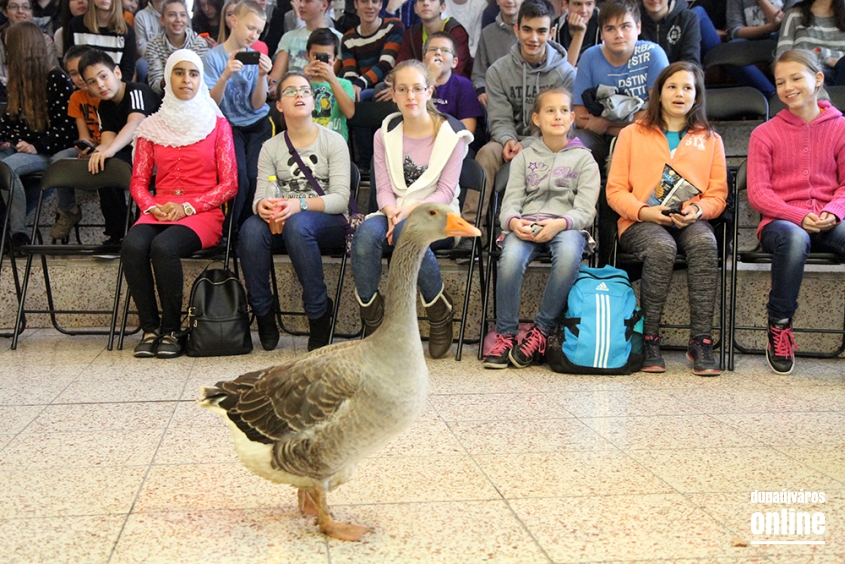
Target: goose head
<point>431,222</point>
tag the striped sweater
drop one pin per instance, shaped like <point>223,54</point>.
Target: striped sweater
<point>822,35</point>
<point>795,167</point>
<point>367,59</point>
<point>121,48</point>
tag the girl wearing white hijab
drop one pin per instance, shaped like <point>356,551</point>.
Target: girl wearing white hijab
<point>189,143</point>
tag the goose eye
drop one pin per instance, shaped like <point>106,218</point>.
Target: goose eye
<point>432,213</point>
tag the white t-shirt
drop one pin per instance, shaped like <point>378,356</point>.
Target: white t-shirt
<point>468,15</point>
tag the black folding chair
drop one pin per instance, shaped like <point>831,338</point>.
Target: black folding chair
<point>63,173</point>
<point>757,256</point>
<point>5,237</point>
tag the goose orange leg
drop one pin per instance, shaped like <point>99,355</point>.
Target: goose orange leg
<point>330,527</point>
<point>307,507</point>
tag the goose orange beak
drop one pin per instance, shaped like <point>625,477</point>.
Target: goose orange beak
<point>456,226</point>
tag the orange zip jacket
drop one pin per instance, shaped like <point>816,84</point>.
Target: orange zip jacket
<point>637,166</point>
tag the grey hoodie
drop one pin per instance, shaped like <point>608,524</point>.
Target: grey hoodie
<point>543,185</point>
<point>512,85</point>
<point>496,39</point>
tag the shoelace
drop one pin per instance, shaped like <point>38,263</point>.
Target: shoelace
<point>652,347</point>
<point>705,351</point>
<point>784,341</point>
<point>502,342</point>
<point>535,341</point>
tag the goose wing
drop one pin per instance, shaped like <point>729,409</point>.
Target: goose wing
<point>272,404</point>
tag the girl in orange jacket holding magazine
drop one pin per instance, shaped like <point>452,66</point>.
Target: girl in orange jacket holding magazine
<point>674,132</point>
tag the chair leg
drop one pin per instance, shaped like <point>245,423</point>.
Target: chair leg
<point>337,297</point>
<point>22,302</point>
<point>467,292</point>
<point>485,298</point>
<point>117,289</point>
<point>123,320</point>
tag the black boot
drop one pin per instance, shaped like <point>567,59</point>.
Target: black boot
<point>319,329</point>
<point>440,324</point>
<point>372,314</point>
<point>268,332</point>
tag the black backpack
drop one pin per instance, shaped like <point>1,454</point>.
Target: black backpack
<point>218,315</point>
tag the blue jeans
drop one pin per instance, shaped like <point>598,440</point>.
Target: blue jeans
<point>790,244</point>
<point>566,248</point>
<point>748,75</point>
<point>21,165</point>
<point>304,235</point>
<point>370,244</point>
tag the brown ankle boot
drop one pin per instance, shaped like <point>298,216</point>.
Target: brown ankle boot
<point>372,313</point>
<point>440,324</point>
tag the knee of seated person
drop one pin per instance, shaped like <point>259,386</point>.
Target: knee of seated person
<point>662,246</point>
<point>163,247</point>
<point>133,246</point>
<point>252,231</point>
<point>367,238</point>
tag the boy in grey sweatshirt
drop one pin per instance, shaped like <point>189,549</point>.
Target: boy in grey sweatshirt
<point>533,64</point>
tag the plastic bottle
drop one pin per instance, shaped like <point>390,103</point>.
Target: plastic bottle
<point>274,194</point>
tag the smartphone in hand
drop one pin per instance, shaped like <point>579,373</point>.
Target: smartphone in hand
<point>248,57</point>
<point>83,145</point>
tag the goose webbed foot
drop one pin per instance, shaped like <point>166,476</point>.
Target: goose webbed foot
<point>330,527</point>
<point>307,506</point>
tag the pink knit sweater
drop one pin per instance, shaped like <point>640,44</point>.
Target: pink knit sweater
<point>796,168</point>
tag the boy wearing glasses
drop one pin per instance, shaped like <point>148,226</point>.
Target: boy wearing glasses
<point>453,93</point>
<point>431,22</point>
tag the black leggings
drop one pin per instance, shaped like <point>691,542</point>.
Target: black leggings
<point>160,247</point>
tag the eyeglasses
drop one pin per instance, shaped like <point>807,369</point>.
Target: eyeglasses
<point>19,8</point>
<point>404,90</point>
<point>291,92</point>
<point>443,50</point>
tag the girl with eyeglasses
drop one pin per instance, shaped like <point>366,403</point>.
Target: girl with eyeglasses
<point>292,214</point>
<point>417,159</point>
<point>19,11</point>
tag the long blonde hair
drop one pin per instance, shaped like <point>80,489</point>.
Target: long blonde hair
<point>437,118</point>
<point>29,65</point>
<point>116,22</point>
<point>224,25</point>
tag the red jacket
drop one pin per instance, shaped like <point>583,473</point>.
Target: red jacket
<point>412,45</point>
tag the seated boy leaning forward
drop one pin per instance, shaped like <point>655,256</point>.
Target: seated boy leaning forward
<point>123,106</point>
<point>621,61</point>
<point>533,64</point>
<point>432,21</point>
<point>453,93</point>
<point>334,98</point>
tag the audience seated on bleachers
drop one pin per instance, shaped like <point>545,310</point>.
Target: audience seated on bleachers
<point>418,157</point>
<point>105,28</point>
<point>334,98</point>
<point>148,24</point>
<point>431,21</point>
<point>188,143</point>
<point>622,62</point>
<point>674,132</point>
<point>20,11</point>
<point>533,64</point>
<point>578,28</point>
<point>496,42</point>
<point>123,106</point>
<point>468,12</point>
<point>369,51</point>
<point>63,38</point>
<point>673,26</point>
<point>299,220</point>
<point>35,124</point>
<point>290,55</point>
<point>49,15</point>
<point>553,183</point>
<point>795,171</point>
<point>241,92</point>
<point>176,35</point>
<point>453,93</point>
<point>818,26</point>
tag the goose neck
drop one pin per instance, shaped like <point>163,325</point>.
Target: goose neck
<point>400,302</point>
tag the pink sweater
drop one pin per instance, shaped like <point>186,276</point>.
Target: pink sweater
<point>795,168</point>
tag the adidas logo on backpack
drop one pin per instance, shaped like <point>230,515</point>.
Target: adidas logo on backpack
<point>596,332</point>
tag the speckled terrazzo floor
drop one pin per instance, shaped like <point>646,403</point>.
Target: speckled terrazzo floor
<point>106,458</point>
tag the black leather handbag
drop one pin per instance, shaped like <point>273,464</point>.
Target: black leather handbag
<point>218,315</point>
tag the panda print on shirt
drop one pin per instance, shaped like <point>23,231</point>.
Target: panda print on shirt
<point>297,183</point>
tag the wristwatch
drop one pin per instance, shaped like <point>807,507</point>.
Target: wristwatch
<point>189,209</point>
<point>303,205</point>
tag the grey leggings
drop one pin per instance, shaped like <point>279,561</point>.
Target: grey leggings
<point>657,246</point>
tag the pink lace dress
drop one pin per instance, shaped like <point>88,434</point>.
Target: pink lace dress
<point>204,175</point>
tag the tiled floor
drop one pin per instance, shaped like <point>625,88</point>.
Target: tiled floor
<point>106,458</point>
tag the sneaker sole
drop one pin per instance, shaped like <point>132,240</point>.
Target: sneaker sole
<point>704,372</point>
<point>495,365</point>
<point>653,369</point>
<point>145,354</point>
<point>517,364</point>
<point>776,371</point>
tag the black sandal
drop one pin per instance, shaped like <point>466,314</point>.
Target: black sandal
<point>147,347</point>
<point>169,346</point>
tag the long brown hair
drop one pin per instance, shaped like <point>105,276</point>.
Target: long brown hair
<point>116,22</point>
<point>808,19</point>
<point>696,117</point>
<point>436,116</point>
<point>29,65</point>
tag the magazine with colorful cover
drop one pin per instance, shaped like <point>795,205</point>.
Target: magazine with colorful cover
<point>674,189</point>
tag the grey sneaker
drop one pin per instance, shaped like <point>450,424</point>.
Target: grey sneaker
<point>65,222</point>
<point>700,353</point>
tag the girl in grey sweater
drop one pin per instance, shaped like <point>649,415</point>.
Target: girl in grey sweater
<point>549,202</point>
